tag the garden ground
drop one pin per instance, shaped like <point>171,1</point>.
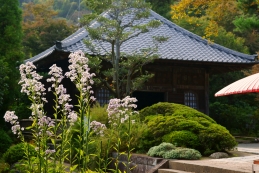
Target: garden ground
<point>244,154</point>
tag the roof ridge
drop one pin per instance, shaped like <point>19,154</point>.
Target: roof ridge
<point>75,37</point>
<point>42,54</point>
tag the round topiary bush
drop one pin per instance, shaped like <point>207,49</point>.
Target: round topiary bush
<point>6,141</point>
<point>16,153</point>
<point>198,130</point>
<point>157,109</point>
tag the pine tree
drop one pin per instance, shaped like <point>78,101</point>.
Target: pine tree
<point>126,74</point>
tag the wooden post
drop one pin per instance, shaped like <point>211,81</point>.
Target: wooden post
<point>206,90</point>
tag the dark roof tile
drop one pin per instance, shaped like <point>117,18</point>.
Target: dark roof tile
<point>181,44</point>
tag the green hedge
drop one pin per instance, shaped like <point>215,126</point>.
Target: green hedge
<point>185,127</point>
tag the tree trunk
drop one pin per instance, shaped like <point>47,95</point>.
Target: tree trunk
<point>117,56</point>
<point>128,87</point>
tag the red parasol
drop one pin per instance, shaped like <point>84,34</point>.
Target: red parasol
<point>248,84</point>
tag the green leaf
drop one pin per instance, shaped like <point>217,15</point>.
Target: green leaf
<point>72,168</point>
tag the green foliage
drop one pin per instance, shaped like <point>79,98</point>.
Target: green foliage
<point>183,153</point>
<point>6,141</point>
<point>169,151</point>
<point>240,119</point>
<point>203,132</point>
<point>247,26</point>
<point>156,109</point>
<point>245,23</point>
<point>124,75</point>
<point>71,10</point>
<point>224,37</point>
<point>159,151</point>
<point>183,139</point>
<point>21,106</point>
<point>216,137</point>
<point>99,113</point>
<point>10,51</point>
<point>16,153</point>
<point>164,108</point>
<point>162,7</point>
<point>42,28</point>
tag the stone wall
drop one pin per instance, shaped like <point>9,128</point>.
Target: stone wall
<point>140,163</point>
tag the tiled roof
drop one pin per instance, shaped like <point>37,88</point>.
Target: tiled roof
<point>181,45</point>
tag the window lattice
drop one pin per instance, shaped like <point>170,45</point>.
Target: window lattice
<point>190,100</point>
<point>102,96</point>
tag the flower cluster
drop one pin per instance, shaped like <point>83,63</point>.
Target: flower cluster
<point>120,110</point>
<point>44,128</point>
<point>80,74</point>
<point>56,78</point>
<point>30,82</point>
<point>63,98</point>
<point>11,118</point>
<point>97,127</point>
<point>56,75</point>
<point>72,117</point>
<point>46,121</point>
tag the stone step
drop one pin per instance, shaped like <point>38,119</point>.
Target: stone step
<point>172,171</point>
<point>200,168</point>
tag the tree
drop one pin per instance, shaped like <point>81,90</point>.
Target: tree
<point>216,12</point>
<point>162,7</point>
<point>10,50</point>
<point>213,19</point>
<point>42,28</point>
<point>247,24</point>
<point>125,73</point>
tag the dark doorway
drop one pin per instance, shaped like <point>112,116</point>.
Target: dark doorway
<point>148,98</point>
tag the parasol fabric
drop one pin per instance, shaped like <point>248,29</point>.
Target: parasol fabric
<point>248,84</point>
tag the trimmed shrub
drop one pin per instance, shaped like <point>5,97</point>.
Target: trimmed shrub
<point>159,151</point>
<point>193,129</point>
<point>169,151</point>
<point>182,139</point>
<point>216,138</point>
<point>183,153</point>
<point>157,109</point>
<point>16,153</point>
<point>6,141</point>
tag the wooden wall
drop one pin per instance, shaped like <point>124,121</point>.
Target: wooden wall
<point>177,81</point>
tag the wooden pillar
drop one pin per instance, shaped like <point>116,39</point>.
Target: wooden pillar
<point>206,90</point>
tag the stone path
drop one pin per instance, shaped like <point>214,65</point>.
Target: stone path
<point>252,148</point>
<point>245,153</point>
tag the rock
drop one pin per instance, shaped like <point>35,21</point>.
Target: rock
<point>219,155</point>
